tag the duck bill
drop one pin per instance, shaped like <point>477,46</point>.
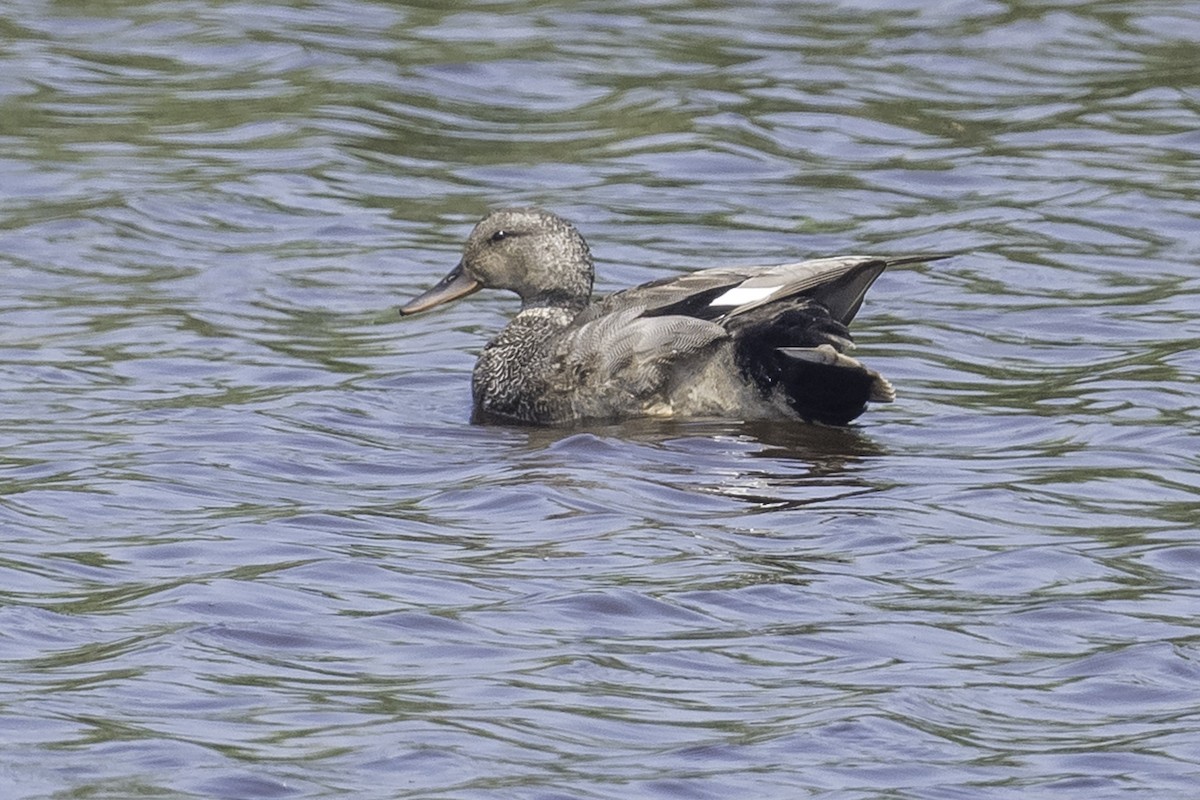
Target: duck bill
<point>455,285</point>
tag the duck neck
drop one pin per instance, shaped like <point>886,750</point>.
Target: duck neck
<point>565,282</point>
<point>570,301</point>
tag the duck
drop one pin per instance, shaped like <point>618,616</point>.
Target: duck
<point>756,342</point>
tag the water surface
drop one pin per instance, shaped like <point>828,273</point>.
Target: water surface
<point>253,549</point>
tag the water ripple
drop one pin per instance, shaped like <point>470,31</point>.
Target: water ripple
<point>253,548</point>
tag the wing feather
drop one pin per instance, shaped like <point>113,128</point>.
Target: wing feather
<point>839,283</point>
<point>628,352</point>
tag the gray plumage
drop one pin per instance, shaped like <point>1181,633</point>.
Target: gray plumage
<point>748,342</point>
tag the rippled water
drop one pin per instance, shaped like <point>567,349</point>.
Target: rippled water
<point>252,548</point>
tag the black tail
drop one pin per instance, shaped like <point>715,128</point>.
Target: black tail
<point>796,355</point>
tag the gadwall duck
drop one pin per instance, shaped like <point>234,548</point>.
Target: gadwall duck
<point>740,342</point>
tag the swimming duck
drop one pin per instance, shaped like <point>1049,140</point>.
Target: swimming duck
<point>740,342</point>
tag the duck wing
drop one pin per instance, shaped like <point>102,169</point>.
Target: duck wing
<point>687,295</point>
<point>626,357</point>
<point>838,283</point>
<point>787,324</point>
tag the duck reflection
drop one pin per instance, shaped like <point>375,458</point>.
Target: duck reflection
<point>766,465</point>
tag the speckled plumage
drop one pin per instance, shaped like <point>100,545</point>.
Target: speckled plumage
<point>752,342</point>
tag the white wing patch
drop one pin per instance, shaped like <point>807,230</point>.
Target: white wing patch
<point>740,295</point>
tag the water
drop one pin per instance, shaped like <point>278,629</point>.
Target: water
<point>252,548</point>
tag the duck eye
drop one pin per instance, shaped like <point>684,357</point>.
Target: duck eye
<point>499,236</point>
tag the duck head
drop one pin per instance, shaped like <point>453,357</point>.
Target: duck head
<point>534,253</point>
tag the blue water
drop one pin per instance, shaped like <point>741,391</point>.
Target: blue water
<point>254,549</point>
